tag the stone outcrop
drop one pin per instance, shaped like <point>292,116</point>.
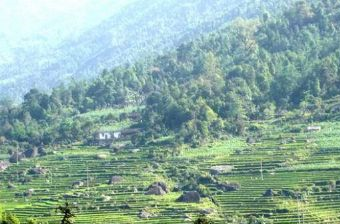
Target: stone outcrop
<point>190,197</point>
<point>157,188</point>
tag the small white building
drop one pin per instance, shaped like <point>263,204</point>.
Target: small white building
<point>104,135</point>
<point>313,128</point>
<point>117,134</point>
<point>108,135</point>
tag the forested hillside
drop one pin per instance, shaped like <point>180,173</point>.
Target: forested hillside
<point>240,125</point>
<point>253,69</point>
<point>137,31</point>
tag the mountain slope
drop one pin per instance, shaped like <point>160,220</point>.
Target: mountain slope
<point>252,69</point>
<point>140,29</point>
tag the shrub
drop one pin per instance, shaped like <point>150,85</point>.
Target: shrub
<point>9,218</point>
<point>203,220</point>
<point>32,221</point>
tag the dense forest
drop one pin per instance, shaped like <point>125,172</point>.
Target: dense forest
<point>136,31</point>
<point>252,69</point>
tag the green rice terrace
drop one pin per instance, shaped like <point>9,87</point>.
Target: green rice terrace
<point>286,175</point>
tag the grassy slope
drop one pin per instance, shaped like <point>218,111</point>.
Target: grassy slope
<point>96,115</point>
<point>286,166</point>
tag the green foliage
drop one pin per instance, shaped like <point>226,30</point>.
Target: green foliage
<point>9,218</point>
<point>127,35</point>
<point>32,221</point>
<point>287,158</point>
<point>67,213</point>
<point>252,69</point>
<point>203,220</point>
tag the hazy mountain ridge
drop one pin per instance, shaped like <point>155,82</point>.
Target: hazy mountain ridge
<point>138,30</point>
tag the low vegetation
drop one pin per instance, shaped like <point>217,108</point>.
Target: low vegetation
<point>271,180</point>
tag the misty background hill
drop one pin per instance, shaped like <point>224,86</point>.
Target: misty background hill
<point>45,43</point>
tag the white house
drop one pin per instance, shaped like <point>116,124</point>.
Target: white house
<point>117,134</point>
<point>104,135</point>
<point>108,135</point>
<point>313,128</point>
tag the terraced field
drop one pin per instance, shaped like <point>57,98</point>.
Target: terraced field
<point>283,159</point>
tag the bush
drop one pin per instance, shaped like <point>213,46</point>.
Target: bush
<point>203,220</point>
<point>32,221</point>
<point>296,130</point>
<point>226,187</point>
<point>203,190</point>
<point>9,218</point>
